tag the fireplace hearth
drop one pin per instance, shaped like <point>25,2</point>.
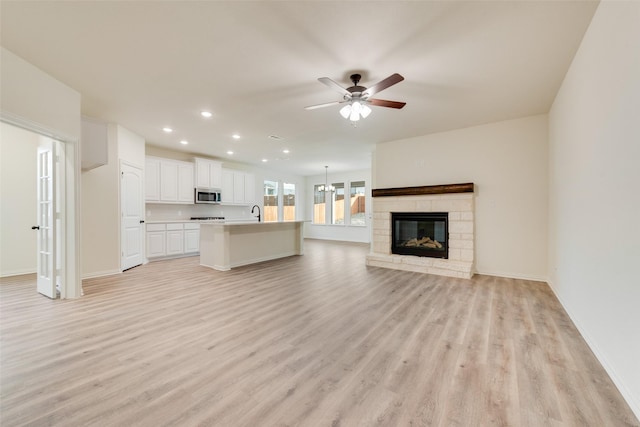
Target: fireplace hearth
<point>422,234</point>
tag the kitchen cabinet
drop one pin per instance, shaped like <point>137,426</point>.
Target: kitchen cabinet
<point>172,239</point>
<point>227,186</point>
<point>168,181</point>
<point>152,179</point>
<point>156,237</point>
<point>208,173</point>
<point>185,183</point>
<point>249,189</point>
<point>191,238</point>
<point>238,187</point>
<point>175,239</point>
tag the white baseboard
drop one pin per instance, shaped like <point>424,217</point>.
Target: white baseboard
<point>17,272</point>
<point>632,401</point>
<point>513,276</point>
<point>100,274</point>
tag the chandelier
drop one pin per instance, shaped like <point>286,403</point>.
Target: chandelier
<point>326,187</point>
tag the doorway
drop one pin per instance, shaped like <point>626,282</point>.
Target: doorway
<point>132,207</point>
<point>20,254</point>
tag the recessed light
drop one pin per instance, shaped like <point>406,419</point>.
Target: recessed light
<point>206,114</point>
<point>285,151</point>
<point>235,136</point>
<point>184,142</point>
<point>167,129</point>
<point>230,152</point>
<point>264,160</point>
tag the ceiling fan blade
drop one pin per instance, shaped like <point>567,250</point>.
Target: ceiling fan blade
<point>333,85</point>
<point>385,103</point>
<point>328,104</point>
<point>383,84</point>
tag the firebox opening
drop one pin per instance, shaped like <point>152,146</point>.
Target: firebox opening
<point>423,234</point>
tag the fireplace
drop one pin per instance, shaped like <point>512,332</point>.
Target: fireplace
<point>422,234</point>
<point>454,201</point>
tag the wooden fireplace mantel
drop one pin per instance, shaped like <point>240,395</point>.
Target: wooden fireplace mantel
<point>425,189</point>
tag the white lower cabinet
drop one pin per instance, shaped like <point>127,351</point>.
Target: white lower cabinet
<point>175,239</point>
<point>191,238</point>
<point>156,238</point>
<point>172,239</point>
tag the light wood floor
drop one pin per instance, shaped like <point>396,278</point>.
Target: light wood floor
<point>317,340</point>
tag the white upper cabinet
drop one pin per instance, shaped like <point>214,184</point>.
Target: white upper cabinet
<point>208,173</point>
<point>168,181</point>
<point>152,179</point>
<point>227,186</point>
<point>185,183</point>
<point>238,188</point>
<point>250,188</point>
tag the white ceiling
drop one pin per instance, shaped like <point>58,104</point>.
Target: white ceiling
<point>255,65</point>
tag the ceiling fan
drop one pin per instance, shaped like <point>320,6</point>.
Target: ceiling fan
<point>358,98</point>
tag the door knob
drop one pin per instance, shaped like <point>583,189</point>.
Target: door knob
<point>35,227</point>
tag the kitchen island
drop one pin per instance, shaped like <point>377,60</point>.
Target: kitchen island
<point>225,245</point>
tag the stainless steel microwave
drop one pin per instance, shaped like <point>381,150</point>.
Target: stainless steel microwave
<point>207,195</point>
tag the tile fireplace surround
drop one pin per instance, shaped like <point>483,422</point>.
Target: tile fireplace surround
<point>456,199</point>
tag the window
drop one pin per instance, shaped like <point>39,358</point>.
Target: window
<point>337,205</point>
<point>289,201</point>
<point>337,208</point>
<point>357,203</point>
<point>318,204</point>
<point>270,201</point>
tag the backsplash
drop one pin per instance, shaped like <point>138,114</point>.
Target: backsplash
<point>171,212</point>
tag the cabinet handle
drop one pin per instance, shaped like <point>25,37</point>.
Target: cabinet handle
<point>142,221</point>
<point>35,227</point>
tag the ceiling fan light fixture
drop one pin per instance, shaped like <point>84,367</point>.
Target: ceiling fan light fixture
<point>358,97</point>
<point>345,111</point>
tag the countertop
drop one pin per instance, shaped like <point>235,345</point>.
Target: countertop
<point>203,221</point>
<point>235,222</point>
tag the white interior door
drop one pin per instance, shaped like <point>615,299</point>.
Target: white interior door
<point>132,206</point>
<point>46,207</point>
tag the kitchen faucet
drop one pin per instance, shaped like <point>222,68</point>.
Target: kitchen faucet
<point>256,206</point>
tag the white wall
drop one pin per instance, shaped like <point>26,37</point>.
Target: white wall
<point>131,146</point>
<point>508,163</point>
<point>34,100</point>
<point>347,233</point>
<point>101,215</point>
<point>594,161</point>
<point>101,203</point>
<point>18,149</point>
<point>27,93</point>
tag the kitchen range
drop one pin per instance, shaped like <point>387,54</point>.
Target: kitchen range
<point>207,218</point>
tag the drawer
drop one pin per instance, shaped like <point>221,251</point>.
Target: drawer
<point>178,226</point>
<point>156,227</point>
<point>191,226</point>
